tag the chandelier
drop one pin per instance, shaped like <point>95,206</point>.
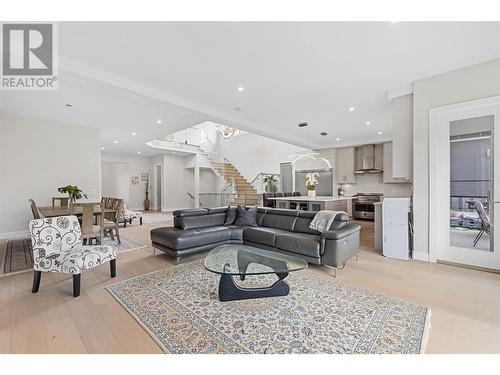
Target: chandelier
<point>226,131</point>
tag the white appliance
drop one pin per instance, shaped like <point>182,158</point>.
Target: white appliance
<point>395,216</point>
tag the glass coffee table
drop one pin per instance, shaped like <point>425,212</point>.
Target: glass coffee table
<point>234,260</point>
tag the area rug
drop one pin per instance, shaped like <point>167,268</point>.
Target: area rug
<point>179,308</point>
<point>157,218</point>
<point>16,256</point>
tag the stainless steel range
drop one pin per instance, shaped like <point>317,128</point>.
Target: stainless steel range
<point>363,205</point>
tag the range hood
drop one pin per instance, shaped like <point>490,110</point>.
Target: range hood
<point>365,159</point>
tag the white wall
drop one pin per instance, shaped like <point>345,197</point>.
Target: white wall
<point>474,82</point>
<point>115,179</point>
<point>37,157</point>
<point>252,154</point>
<point>117,172</point>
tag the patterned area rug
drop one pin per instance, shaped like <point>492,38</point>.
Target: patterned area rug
<point>16,255</point>
<point>179,308</point>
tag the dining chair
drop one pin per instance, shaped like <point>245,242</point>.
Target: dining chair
<point>63,201</point>
<point>288,194</point>
<point>34,209</point>
<point>485,222</point>
<point>297,194</point>
<point>57,247</point>
<point>112,207</point>
<point>91,231</point>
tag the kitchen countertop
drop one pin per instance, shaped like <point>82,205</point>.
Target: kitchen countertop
<point>305,198</point>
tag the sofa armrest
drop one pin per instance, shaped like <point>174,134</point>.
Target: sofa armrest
<point>337,234</point>
<point>339,245</point>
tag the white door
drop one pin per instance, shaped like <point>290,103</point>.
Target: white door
<point>464,187</point>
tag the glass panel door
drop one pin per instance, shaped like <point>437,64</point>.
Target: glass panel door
<point>464,188</point>
<point>471,183</point>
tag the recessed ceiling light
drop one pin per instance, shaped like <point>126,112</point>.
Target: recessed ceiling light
<point>351,109</point>
<point>139,152</point>
<point>102,148</point>
<point>379,133</point>
<point>134,133</point>
<point>323,133</point>
<point>159,121</point>
<point>115,142</point>
<point>69,105</point>
<point>241,89</point>
<point>368,123</point>
<point>337,139</point>
<point>302,124</point>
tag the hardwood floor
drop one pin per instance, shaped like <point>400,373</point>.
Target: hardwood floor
<point>465,303</point>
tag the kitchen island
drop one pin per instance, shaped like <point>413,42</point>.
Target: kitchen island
<point>314,203</point>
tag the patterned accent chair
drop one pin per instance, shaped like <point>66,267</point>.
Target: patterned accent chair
<point>127,215</point>
<point>57,247</point>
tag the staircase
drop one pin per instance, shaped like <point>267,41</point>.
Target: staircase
<point>245,192</point>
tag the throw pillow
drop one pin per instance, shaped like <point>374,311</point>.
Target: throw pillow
<point>247,216</point>
<point>230,215</point>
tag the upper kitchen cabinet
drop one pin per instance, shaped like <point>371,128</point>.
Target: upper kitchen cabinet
<point>345,165</point>
<point>402,130</point>
<point>388,166</point>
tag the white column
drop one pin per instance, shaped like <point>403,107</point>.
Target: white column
<point>196,181</point>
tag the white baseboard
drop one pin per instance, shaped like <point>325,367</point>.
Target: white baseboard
<point>421,255</point>
<point>13,235</point>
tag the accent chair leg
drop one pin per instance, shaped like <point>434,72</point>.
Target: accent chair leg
<point>112,267</point>
<point>76,284</point>
<point>357,256</point>
<point>36,281</point>
<point>125,223</point>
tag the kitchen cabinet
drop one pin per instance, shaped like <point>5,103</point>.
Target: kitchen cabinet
<point>388,166</point>
<point>402,132</point>
<point>379,157</point>
<point>345,165</point>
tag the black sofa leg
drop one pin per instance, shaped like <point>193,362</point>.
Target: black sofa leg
<point>112,267</point>
<point>76,285</point>
<point>140,220</point>
<point>36,281</point>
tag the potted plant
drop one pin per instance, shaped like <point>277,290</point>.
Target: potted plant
<point>147,203</point>
<point>270,181</point>
<point>74,193</point>
<point>312,179</point>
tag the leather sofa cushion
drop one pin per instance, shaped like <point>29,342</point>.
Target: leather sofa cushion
<point>190,212</point>
<point>261,212</point>
<point>262,235</point>
<point>201,221</point>
<point>280,219</point>
<point>302,226</point>
<point>217,210</point>
<point>235,232</point>
<point>179,239</point>
<point>299,243</point>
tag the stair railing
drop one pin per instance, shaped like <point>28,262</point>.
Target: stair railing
<point>258,182</point>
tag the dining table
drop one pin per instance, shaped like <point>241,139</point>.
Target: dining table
<point>77,210</point>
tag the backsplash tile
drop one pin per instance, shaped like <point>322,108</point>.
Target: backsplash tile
<point>374,183</point>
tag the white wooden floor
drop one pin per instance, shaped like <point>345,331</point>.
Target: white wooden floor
<point>465,303</point>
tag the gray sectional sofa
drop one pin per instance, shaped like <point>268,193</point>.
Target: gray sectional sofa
<point>286,231</point>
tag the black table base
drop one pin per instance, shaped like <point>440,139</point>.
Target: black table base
<point>229,291</point>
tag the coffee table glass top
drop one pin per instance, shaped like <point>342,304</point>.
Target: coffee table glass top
<point>247,260</point>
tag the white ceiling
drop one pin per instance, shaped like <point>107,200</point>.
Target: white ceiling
<point>123,76</point>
